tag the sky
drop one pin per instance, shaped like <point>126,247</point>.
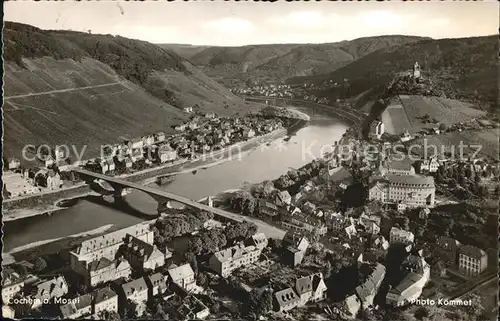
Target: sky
<point>244,23</point>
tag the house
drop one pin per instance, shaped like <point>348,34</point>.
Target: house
<point>472,261</point>
<point>47,290</point>
<point>430,165</point>
<point>14,163</point>
<point>335,221</point>
<point>159,137</point>
<point>137,292</point>
<point>134,143</point>
<point>12,283</point>
<point>447,250</point>
<point>180,128</point>
<point>105,299</point>
<point>398,235</point>
<point>183,276</point>
<point>377,129</point>
<point>285,300</point>
<point>283,198</point>
<point>166,154</point>
<point>148,140</point>
<point>192,309</point>
<point>267,209</point>
<point>157,284</point>
<point>54,180</point>
<point>369,289</point>
<point>403,167</point>
<point>350,307</point>
<point>309,207</point>
<point>110,164</point>
<point>305,223</point>
<point>248,133</point>
<point>304,289</point>
<point>78,307</point>
<point>224,262</point>
<point>423,214</point>
<point>295,248</point>
<point>188,110</point>
<point>8,312</point>
<point>410,288</point>
<point>106,246</point>
<point>142,255</point>
<point>105,270</point>
<point>412,190</point>
<point>296,198</point>
<point>210,115</point>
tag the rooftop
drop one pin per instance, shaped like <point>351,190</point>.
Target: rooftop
<point>133,286</point>
<point>180,272</point>
<point>472,251</point>
<point>411,180</point>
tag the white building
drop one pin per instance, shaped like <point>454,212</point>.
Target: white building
<point>472,261</point>
<point>411,287</point>
<point>226,261</point>
<point>398,235</point>
<point>412,190</point>
<point>377,128</point>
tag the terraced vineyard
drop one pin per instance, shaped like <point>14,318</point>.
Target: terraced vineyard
<point>77,103</point>
<point>411,110</point>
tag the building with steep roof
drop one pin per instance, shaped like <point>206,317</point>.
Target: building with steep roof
<point>78,307</point>
<point>137,292</point>
<point>107,245</point>
<point>472,260</point>
<point>398,235</point>
<point>47,290</point>
<point>104,270</point>
<point>224,262</point>
<point>400,167</point>
<point>447,249</point>
<point>412,190</point>
<point>12,283</point>
<point>157,284</point>
<point>410,288</point>
<point>183,276</point>
<point>259,240</point>
<point>105,299</point>
<point>368,289</point>
<point>143,255</point>
<point>285,300</point>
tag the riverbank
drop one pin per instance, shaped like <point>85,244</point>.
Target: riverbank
<point>37,249</point>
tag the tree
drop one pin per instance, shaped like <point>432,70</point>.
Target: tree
<point>442,127</point>
<point>421,313</point>
<point>259,302</point>
<point>190,257</point>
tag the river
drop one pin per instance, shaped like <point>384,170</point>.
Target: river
<point>265,162</point>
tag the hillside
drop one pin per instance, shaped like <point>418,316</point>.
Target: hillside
<point>407,112</point>
<point>468,66</point>
<point>65,87</point>
<point>236,65</point>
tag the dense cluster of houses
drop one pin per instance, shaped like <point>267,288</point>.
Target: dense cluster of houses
<point>201,134</point>
<point>270,90</point>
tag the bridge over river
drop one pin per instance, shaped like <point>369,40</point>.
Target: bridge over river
<point>163,198</point>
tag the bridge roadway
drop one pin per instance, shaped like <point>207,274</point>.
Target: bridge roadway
<point>267,229</point>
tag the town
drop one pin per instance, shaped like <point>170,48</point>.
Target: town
<point>202,135</point>
<point>383,226</point>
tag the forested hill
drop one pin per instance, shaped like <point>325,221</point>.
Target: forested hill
<point>468,65</point>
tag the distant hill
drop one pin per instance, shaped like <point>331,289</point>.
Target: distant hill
<point>234,65</point>
<point>64,87</point>
<point>467,67</point>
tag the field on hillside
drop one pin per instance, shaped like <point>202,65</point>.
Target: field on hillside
<point>487,139</point>
<point>79,103</point>
<point>409,114</point>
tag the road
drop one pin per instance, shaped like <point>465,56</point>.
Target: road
<point>61,91</point>
<point>267,229</point>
